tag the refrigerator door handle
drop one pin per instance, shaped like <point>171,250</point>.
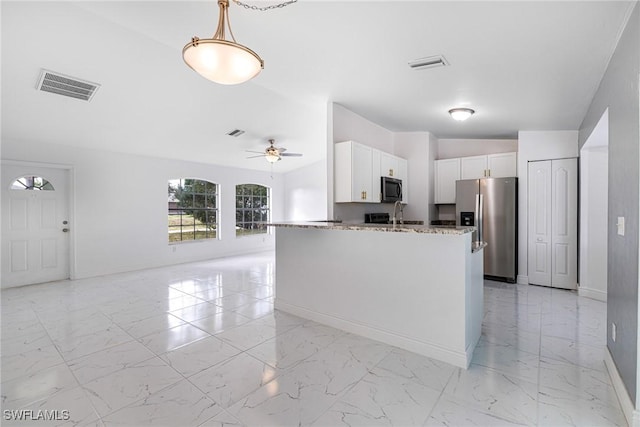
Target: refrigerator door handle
<point>477,217</point>
<point>481,217</point>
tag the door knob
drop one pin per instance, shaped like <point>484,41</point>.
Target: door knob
<point>65,230</point>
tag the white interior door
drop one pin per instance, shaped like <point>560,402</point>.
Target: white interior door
<point>35,224</point>
<point>539,230</point>
<point>564,229</point>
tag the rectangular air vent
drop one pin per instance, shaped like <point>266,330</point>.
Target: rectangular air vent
<point>235,132</point>
<point>428,62</point>
<point>53,82</point>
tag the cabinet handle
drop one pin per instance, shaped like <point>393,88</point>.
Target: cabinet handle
<point>489,172</point>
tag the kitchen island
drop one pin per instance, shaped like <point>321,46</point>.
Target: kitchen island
<point>415,287</point>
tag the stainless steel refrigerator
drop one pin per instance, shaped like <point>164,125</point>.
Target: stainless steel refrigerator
<point>491,205</point>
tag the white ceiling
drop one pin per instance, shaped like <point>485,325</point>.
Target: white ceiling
<point>521,65</point>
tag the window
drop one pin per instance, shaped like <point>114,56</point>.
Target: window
<point>193,210</point>
<point>252,209</point>
<point>32,183</point>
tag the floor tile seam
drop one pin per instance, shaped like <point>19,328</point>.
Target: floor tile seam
<point>277,376</point>
<point>581,342</point>
<point>141,399</point>
<point>512,375</point>
<point>338,397</point>
<point>73,359</point>
<point>174,348</point>
<point>536,330</point>
<point>480,408</point>
<point>514,347</point>
<point>128,364</point>
<point>614,404</point>
<point>5,382</point>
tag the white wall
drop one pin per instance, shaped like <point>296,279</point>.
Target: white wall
<point>349,126</point>
<point>419,148</point>
<point>593,224</point>
<point>532,146</point>
<point>120,207</point>
<point>452,148</point>
<point>305,193</point>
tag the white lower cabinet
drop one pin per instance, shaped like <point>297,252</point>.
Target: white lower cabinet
<point>553,223</point>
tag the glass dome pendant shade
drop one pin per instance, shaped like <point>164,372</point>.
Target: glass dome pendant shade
<point>220,60</point>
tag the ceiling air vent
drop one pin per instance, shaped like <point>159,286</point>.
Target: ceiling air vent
<point>53,82</point>
<point>428,62</point>
<point>235,132</point>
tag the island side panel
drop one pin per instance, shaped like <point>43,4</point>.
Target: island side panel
<point>406,289</point>
<point>474,300</point>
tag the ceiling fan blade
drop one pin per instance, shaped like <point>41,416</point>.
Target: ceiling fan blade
<point>281,149</point>
<point>257,152</point>
<point>291,154</point>
<point>253,157</point>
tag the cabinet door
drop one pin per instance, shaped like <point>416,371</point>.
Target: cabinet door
<point>362,173</point>
<point>388,165</point>
<point>376,190</point>
<point>403,174</point>
<point>539,227</point>
<point>564,223</point>
<point>473,167</point>
<point>447,172</point>
<point>502,165</point>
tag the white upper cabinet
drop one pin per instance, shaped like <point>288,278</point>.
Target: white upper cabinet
<point>499,165</point>
<point>447,172</point>
<point>473,167</point>
<point>403,174</point>
<point>502,165</point>
<point>388,165</point>
<point>358,169</point>
<point>353,169</point>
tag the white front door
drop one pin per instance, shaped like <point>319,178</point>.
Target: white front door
<point>35,224</point>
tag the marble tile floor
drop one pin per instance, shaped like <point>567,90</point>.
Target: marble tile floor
<point>201,345</point>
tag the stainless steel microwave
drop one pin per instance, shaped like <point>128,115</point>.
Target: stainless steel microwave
<point>391,189</point>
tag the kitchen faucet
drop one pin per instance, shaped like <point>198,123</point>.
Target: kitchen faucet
<point>395,206</point>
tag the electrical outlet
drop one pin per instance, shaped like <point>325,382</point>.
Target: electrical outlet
<point>613,331</point>
<point>620,225</point>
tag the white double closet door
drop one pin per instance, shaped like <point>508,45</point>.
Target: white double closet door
<point>553,223</point>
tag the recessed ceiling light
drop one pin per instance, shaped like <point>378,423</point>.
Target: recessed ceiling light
<point>461,114</point>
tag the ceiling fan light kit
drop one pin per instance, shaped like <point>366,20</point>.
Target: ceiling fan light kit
<point>219,60</point>
<point>461,114</point>
<point>272,153</point>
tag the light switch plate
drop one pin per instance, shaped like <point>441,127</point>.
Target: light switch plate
<point>620,225</point>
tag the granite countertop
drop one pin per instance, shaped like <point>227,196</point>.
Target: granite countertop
<point>402,228</point>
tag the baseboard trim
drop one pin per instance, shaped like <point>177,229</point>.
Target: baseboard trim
<point>628,407</point>
<point>592,293</point>
<point>461,359</point>
<point>522,280</point>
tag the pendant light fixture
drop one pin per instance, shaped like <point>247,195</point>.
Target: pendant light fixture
<point>461,114</point>
<point>219,60</point>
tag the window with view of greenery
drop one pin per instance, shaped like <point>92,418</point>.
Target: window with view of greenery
<point>193,210</point>
<point>252,209</point>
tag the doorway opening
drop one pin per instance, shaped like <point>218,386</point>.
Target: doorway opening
<point>594,211</point>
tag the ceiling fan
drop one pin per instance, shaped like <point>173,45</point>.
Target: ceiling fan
<point>273,153</point>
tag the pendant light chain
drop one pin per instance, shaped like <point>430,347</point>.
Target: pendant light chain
<point>274,6</point>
